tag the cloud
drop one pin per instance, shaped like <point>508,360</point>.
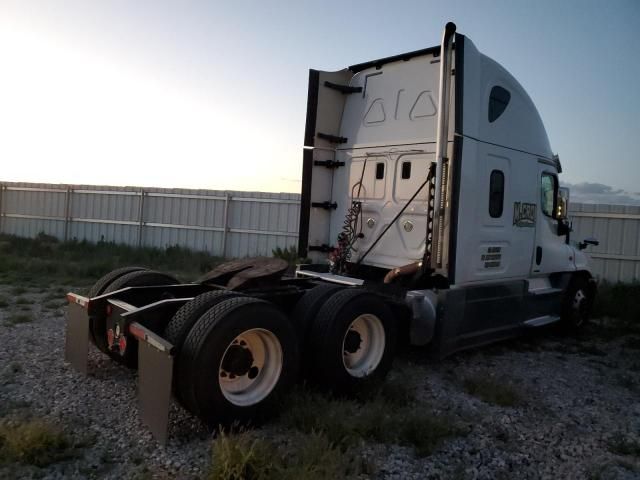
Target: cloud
<point>587,192</point>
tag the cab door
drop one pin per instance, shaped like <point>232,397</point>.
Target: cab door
<point>551,252</point>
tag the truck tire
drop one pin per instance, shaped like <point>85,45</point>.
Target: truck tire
<point>179,326</point>
<point>182,322</point>
<point>577,304</point>
<point>141,278</point>
<point>98,289</point>
<point>251,347</point>
<point>353,340</point>
<point>137,278</point>
<point>304,314</point>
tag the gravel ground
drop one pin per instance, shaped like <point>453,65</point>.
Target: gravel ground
<point>577,398</point>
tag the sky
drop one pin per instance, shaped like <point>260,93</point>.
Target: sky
<point>207,94</point>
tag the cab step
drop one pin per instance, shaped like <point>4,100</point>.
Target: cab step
<point>541,321</point>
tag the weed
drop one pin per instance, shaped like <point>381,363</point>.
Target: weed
<point>347,423</point>
<point>316,458</point>
<point>493,391</point>
<point>626,381</point>
<point>240,456</point>
<point>397,391</point>
<point>43,261</point>
<point>10,372</point>
<point>53,305</point>
<point>18,318</point>
<point>620,302</point>
<point>32,442</point>
<point>425,433</point>
<point>290,254</point>
<point>623,445</point>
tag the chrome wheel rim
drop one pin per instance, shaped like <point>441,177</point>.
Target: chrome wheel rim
<point>579,306</point>
<point>250,367</point>
<point>363,345</point>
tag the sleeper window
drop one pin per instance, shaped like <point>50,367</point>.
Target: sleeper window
<point>379,171</point>
<point>498,101</point>
<point>496,193</point>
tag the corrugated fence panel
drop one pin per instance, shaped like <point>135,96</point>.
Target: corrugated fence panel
<point>241,224</point>
<point>617,228</point>
<point>231,224</point>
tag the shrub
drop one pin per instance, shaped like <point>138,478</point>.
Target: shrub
<point>492,391</point>
<point>347,423</point>
<point>243,456</point>
<point>32,442</point>
<point>240,456</point>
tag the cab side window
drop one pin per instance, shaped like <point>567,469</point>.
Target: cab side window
<point>548,194</point>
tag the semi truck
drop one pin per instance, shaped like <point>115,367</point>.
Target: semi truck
<point>431,215</point>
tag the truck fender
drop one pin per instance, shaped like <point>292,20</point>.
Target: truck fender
<point>423,304</point>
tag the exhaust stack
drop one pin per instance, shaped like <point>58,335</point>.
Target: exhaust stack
<point>442,134</point>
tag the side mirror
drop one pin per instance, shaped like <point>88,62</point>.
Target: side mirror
<point>588,241</point>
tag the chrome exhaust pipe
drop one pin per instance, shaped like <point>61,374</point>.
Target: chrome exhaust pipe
<point>441,199</point>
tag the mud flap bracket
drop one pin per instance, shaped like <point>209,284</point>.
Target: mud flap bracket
<point>155,374</point>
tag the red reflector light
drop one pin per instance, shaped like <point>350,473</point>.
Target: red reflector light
<point>110,336</point>
<point>122,343</point>
<point>109,310</point>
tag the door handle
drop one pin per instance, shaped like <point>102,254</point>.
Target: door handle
<point>538,255</point>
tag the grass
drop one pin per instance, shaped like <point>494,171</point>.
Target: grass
<point>22,301</point>
<point>45,261</point>
<point>242,455</point>
<point>492,391</point>
<point>32,442</point>
<point>346,423</point>
<point>17,318</point>
<point>10,373</point>
<point>623,445</point>
<point>3,302</point>
<point>619,301</point>
<point>52,305</point>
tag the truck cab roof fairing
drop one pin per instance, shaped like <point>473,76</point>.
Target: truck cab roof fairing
<point>519,127</point>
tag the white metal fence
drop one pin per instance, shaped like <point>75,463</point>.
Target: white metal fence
<point>617,228</point>
<point>240,224</point>
<point>223,223</point>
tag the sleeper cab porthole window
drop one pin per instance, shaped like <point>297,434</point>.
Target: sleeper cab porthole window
<point>498,101</point>
<point>496,193</point>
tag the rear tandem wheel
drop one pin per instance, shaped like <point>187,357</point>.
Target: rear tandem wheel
<point>236,360</point>
<point>136,278</point>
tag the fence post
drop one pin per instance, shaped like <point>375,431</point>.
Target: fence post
<point>67,212</point>
<point>227,200</point>
<point>1,205</point>
<point>141,217</point>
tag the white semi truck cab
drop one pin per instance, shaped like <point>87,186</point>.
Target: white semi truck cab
<point>432,214</point>
<point>433,171</point>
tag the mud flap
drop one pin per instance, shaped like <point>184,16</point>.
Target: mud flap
<point>76,344</point>
<point>155,373</point>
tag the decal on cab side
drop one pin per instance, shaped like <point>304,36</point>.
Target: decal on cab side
<point>524,214</point>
